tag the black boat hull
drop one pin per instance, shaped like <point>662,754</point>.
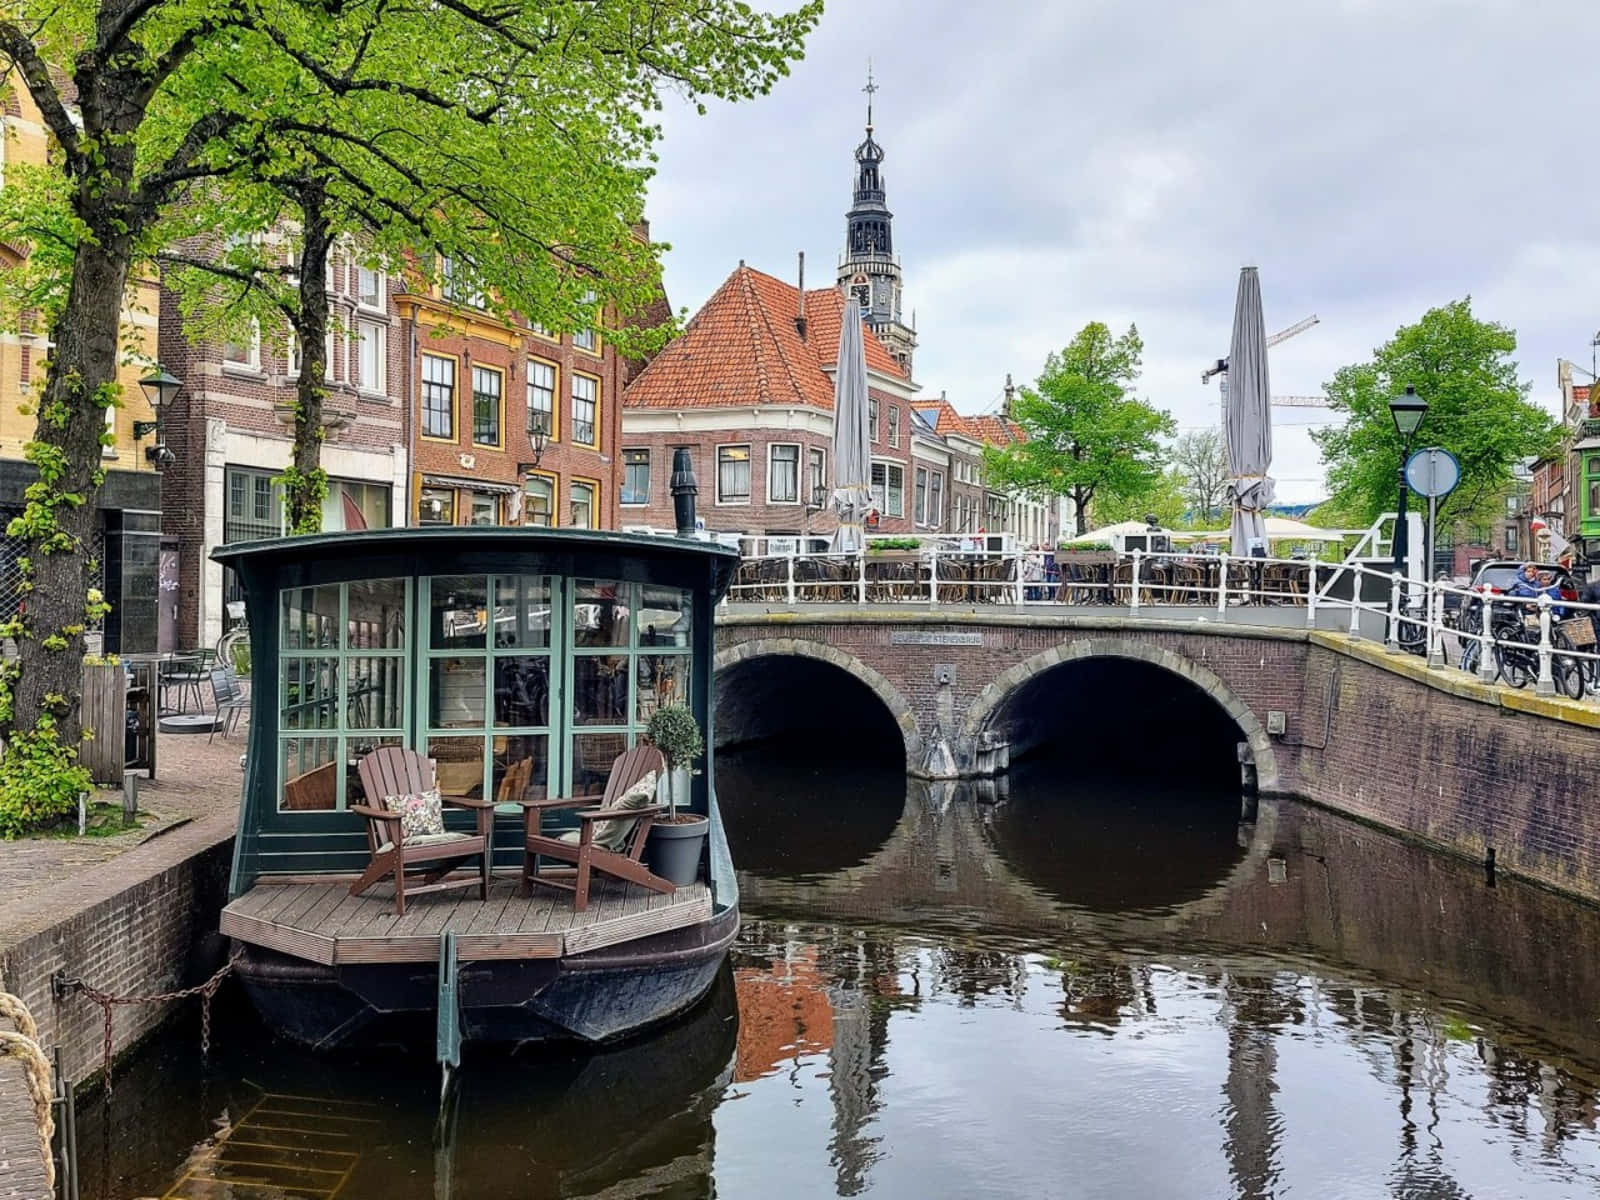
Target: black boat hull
<point>596,997</point>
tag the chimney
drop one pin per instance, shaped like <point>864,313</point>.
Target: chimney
<point>684,490</point>
<point>1005,405</point>
<point>800,320</point>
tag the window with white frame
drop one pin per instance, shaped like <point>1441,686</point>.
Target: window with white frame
<point>585,406</point>
<point>636,477</point>
<point>541,397</point>
<point>243,350</point>
<point>919,503</point>
<point>894,425</point>
<point>783,473</point>
<point>438,396</point>
<point>370,288</point>
<point>586,339</point>
<point>872,417</point>
<point>733,474</point>
<point>373,364</point>
<point>889,489</point>
<point>816,474</point>
<point>935,498</point>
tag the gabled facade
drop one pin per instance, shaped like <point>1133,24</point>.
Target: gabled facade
<point>231,433</point>
<point>476,388</point>
<point>747,388</point>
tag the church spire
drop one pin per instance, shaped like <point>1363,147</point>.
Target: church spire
<point>868,269</point>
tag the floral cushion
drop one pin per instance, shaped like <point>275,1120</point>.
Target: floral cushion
<point>420,814</point>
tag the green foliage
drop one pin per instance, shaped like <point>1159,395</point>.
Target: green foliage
<point>674,731</point>
<point>304,492</point>
<point>1163,498</point>
<point>1477,409</point>
<point>40,779</point>
<point>875,545</point>
<point>1087,435</point>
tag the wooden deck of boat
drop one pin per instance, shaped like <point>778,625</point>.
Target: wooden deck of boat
<point>319,920</point>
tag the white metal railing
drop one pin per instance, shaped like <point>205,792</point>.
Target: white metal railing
<point>1542,641</point>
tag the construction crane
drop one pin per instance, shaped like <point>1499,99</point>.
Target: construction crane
<point>1283,335</point>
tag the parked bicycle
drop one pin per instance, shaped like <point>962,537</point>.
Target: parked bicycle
<point>1515,647</point>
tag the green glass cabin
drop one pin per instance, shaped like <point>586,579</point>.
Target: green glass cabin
<point>478,647</point>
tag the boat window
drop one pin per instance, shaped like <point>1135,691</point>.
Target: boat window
<point>342,687</point>
<point>488,685</point>
<point>630,656</point>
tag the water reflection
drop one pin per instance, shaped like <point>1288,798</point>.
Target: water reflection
<point>1109,844</point>
<point>1072,990</point>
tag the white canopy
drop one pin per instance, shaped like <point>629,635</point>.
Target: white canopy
<point>1121,529</point>
<point>1276,528</point>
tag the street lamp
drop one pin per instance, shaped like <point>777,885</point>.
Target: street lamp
<point>160,389</point>
<point>538,437</point>
<point>1407,409</point>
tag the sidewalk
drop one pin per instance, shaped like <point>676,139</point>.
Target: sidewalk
<point>195,781</point>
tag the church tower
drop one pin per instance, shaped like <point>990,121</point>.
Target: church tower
<point>869,270</point>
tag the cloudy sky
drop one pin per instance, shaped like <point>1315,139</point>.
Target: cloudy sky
<point>1054,163</point>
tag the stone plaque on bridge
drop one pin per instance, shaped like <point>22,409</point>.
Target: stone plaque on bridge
<point>918,637</point>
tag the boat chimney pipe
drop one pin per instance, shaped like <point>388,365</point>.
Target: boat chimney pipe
<point>684,490</point>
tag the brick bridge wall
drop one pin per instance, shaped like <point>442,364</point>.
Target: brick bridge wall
<point>1433,755</point>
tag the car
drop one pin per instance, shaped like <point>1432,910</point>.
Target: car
<point>1496,576</point>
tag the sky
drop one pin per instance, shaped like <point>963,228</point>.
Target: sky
<point>1049,164</point>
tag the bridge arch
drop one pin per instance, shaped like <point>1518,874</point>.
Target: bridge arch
<point>894,702</point>
<point>993,699</point>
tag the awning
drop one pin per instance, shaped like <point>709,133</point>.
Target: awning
<point>475,485</point>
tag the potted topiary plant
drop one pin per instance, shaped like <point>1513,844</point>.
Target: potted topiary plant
<point>676,840</point>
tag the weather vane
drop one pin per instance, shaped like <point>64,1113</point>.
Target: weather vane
<point>869,89</point>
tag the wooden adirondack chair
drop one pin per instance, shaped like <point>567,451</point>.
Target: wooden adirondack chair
<point>417,864</point>
<point>578,846</point>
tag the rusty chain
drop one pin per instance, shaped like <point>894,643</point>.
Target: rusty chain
<point>108,1004</point>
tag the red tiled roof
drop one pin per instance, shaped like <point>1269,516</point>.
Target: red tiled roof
<point>945,418</point>
<point>742,348</point>
<point>998,431</point>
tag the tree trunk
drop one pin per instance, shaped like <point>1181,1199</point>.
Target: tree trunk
<point>1080,510</point>
<point>305,484</point>
<point>62,510</point>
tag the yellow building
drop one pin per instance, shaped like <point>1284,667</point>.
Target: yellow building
<point>129,527</point>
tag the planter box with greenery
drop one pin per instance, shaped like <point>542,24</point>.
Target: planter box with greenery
<point>676,841</point>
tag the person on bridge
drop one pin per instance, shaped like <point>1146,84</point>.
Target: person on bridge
<point>1530,584</point>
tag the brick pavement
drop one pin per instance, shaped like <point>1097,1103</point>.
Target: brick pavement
<point>22,1175</point>
<point>193,781</point>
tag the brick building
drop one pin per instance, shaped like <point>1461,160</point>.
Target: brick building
<point>478,386</point>
<point>129,502</point>
<point>748,389</point>
<point>231,432</point>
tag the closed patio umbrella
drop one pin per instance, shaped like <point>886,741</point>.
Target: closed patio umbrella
<point>1247,424</point>
<point>852,446</point>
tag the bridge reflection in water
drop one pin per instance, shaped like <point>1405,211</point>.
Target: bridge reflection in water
<point>1297,928</point>
<point>1049,984</point>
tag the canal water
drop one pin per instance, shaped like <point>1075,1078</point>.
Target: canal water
<point>1067,985</point>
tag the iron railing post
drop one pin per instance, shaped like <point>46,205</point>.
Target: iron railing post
<point>1222,584</point>
<point>861,576</point>
<point>1487,670</point>
<point>1436,626</point>
<point>790,559</point>
<point>1547,679</point>
<point>1357,573</point>
<point>1392,638</point>
<point>1133,587</point>
<point>1311,598</point>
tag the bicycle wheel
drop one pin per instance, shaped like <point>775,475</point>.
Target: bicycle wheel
<point>1566,671</point>
<point>233,650</point>
<point>1516,664</point>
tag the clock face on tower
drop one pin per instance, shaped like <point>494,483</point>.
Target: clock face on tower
<point>861,289</point>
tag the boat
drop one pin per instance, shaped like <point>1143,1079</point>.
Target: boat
<point>480,648</point>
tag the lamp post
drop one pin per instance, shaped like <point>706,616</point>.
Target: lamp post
<point>538,438</point>
<point>160,389</point>
<point>1407,409</point>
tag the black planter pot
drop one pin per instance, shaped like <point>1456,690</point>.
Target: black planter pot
<point>673,851</point>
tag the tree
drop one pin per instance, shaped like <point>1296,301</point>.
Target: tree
<point>172,96</point>
<point>1165,499</point>
<point>1201,462</point>
<point>1477,409</point>
<point>1087,436</point>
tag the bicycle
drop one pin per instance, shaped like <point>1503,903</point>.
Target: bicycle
<point>1516,656</point>
<point>233,649</point>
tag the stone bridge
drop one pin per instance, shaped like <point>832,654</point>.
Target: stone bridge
<point>1484,771</point>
